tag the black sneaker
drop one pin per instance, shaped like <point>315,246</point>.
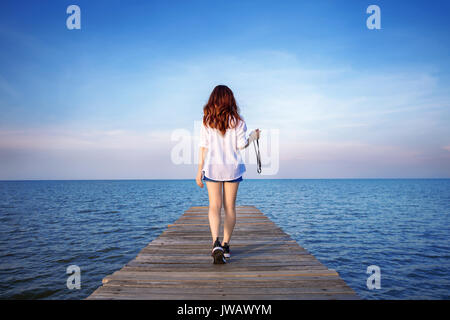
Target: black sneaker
<point>226,250</point>
<point>217,253</point>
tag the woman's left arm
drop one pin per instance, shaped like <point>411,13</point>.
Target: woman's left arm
<point>254,135</point>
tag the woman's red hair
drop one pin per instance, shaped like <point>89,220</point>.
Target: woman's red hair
<point>221,112</point>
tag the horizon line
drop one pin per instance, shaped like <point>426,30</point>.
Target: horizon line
<point>193,179</point>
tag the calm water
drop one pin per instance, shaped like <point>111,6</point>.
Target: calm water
<point>400,225</point>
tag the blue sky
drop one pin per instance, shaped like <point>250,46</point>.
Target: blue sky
<point>103,102</point>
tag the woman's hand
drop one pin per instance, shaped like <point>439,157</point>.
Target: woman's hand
<point>254,135</point>
<point>198,179</point>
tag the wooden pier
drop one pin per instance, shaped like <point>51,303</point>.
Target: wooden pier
<point>265,264</point>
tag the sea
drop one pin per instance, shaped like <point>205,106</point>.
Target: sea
<point>401,226</point>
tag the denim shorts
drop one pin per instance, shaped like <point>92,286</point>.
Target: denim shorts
<point>235,180</point>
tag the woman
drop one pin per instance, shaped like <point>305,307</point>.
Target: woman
<point>223,134</point>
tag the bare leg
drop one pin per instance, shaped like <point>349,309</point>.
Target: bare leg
<point>229,201</point>
<point>215,204</point>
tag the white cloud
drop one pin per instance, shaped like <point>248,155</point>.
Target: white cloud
<point>58,139</point>
<point>328,118</point>
<point>275,88</point>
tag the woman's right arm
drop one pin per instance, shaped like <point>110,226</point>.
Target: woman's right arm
<point>201,161</point>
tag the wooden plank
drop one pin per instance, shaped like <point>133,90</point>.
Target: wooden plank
<point>266,264</point>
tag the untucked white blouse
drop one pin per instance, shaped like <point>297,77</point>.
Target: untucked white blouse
<point>223,159</point>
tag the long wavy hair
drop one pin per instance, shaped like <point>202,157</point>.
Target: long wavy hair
<point>221,112</point>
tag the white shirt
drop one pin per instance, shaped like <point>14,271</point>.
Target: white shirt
<point>223,159</point>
